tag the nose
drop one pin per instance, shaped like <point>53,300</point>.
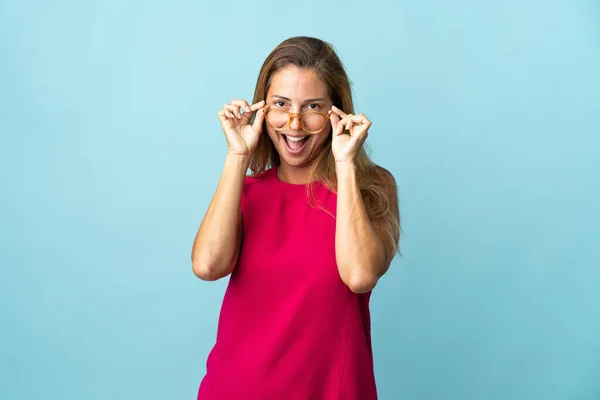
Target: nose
<point>295,125</point>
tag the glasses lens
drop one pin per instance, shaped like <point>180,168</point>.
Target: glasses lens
<point>278,119</point>
<point>313,122</point>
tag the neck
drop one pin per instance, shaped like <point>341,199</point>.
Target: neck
<point>295,175</point>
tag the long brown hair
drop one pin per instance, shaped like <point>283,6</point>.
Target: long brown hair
<point>375,183</point>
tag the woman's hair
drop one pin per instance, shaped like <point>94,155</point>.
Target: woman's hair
<point>374,182</point>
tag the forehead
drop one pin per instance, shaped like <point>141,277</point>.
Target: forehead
<point>297,84</point>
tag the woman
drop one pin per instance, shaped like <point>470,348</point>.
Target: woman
<point>305,237</point>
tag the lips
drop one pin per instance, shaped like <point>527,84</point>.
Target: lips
<point>295,144</point>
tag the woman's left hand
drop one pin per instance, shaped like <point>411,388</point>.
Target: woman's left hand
<point>345,146</point>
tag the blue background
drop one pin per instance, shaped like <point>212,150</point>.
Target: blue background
<point>486,112</point>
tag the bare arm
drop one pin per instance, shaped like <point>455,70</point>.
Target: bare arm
<point>217,243</point>
<point>360,253</point>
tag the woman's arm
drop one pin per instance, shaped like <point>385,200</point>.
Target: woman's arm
<point>217,243</point>
<point>361,255</point>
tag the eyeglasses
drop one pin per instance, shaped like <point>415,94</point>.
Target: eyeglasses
<point>312,122</point>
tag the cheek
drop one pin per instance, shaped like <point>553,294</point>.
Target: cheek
<point>321,138</point>
<point>319,142</point>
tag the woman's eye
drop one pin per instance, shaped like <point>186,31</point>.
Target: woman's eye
<point>316,106</point>
<point>277,104</point>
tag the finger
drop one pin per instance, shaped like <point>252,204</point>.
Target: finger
<point>222,116</point>
<point>225,112</point>
<point>333,117</point>
<point>234,110</point>
<point>252,109</point>
<point>351,121</point>
<point>258,121</point>
<point>335,123</point>
<point>338,111</point>
<point>341,126</point>
<point>363,122</point>
<point>335,120</point>
<point>225,115</point>
<point>346,122</point>
<point>241,103</point>
<point>257,106</point>
<point>361,119</point>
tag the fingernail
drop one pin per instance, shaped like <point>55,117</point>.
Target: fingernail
<point>247,109</point>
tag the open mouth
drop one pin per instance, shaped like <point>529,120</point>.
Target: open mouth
<point>295,144</point>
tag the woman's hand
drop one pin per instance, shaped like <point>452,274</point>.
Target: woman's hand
<point>242,138</point>
<point>345,145</point>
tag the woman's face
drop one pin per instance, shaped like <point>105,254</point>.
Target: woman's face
<point>298,90</point>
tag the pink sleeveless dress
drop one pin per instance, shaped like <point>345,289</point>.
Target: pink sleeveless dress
<point>289,328</point>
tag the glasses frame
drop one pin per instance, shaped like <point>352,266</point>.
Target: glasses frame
<point>267,109</point>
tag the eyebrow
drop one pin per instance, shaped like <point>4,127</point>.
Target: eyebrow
<point>305,101</point>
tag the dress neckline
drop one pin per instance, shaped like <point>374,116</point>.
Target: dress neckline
<point>298,185</point>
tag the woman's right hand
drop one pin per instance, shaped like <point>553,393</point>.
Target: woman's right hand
<point>242,138</point>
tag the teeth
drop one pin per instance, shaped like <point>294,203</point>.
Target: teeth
<point>293,139</point>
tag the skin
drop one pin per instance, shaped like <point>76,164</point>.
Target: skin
<point>298,86</point>
<point>361,255</point>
